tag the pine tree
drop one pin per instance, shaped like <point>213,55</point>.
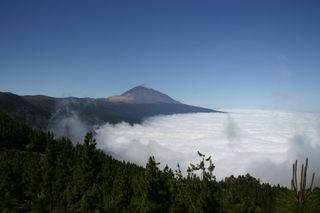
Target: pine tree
<point>152,192</point>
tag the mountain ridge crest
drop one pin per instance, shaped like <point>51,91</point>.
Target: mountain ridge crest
<point>142,95</point>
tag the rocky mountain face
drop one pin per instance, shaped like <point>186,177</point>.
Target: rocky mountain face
<point>142,95</point>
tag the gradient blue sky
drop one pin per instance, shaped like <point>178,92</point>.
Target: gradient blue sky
<point>234,54</point>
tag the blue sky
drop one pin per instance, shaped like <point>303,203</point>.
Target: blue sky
<point>219,54</point>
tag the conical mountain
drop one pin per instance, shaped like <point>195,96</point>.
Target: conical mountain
<point>143,95</point>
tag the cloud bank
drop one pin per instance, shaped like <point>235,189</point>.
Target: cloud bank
<point>262,143</point>
<point>65,122</point>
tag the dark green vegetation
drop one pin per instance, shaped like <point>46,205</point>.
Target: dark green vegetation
<point>41,174</point>
<point>39,111</point>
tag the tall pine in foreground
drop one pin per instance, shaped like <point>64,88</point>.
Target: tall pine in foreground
<point>151,190</point>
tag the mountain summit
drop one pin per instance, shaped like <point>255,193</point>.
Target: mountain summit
<point>142,95</point>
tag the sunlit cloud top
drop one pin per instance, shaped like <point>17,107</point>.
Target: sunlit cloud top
<point>262,143</point>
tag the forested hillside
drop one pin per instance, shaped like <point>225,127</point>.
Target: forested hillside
<point>41,174</point>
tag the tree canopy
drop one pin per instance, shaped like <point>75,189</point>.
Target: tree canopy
<point>41,174</point>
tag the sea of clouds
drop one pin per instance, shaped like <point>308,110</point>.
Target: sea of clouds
<point>262,143</point>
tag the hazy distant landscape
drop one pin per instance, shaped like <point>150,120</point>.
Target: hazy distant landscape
<point>144,143</point>
<point>134,126</point>
<point>160,106</point>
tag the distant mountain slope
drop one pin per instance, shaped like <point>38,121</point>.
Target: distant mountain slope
<point>18,108</point>
<point>133,113</point>
<point>133,106</point>
<point>143,95</point>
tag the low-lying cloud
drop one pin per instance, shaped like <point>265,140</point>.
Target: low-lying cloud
<point>69,125</point>
<point>262,143</point>
<point>65,122</point>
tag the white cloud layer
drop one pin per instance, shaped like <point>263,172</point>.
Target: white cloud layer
<point>262,143</point>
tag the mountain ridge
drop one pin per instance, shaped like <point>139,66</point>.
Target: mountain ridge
<point>41,111</point>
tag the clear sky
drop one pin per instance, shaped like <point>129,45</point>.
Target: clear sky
<point>219,54</point>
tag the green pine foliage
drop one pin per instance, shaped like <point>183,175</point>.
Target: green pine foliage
<point>41,174</point>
